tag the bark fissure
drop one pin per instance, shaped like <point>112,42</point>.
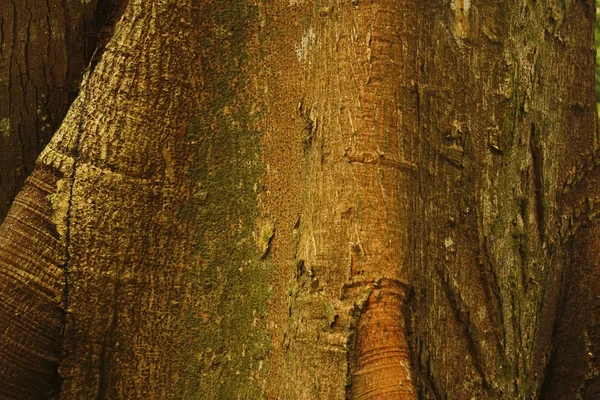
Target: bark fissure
<point>46,45</point>
<point>108,345</point>
<point>357,179</point>
<point>470,330</point>
<point>537,163</point>
<point>69,207</point>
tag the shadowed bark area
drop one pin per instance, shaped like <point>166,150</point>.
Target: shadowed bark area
<point>506,105</point>
<point>46,45</point>
<point>573,370</point>
<point>31,286</point>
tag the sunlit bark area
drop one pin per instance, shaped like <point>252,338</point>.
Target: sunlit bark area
<point>331,199</point>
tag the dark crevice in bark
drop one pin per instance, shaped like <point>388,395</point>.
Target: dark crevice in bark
<point>425,384</point>
<point>44,74</point>
<point>46,46</point>
<point>108,14</point>
<point>551,368</point>
<point>75,156</point>
<point>489,278</point>
<point>108,345</point>
<point>538,168</point>
<point>427,387</point>
<point>462,313</point>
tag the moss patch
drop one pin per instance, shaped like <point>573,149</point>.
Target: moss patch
<point>5,127</point>
<point>231,276</point>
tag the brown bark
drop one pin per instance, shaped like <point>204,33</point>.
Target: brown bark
<point>31,315</point>
<point>313,199</point>
<point>506,105</point>
<point>117,209</point>
<point>46,45</point>
<point>84,270</point>
<point>356,107</point>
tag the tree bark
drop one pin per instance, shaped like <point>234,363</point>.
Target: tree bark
<point>46,45</point>
<point>315,199</point>
<point>357,108</point>
<point>87,155</point>
<point>506,109</point>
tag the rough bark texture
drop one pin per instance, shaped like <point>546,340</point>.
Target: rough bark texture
<point>46,45</point>
<point>122,157</point>
<point>505,106</point>
<point>315,199</point>
<point>346,325</point>
<point>31,314</point>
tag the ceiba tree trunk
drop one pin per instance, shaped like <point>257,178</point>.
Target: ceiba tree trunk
<point>46,45</point>
<point>315,199</point>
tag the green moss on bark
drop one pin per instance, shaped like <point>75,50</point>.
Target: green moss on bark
<point>231,278</point>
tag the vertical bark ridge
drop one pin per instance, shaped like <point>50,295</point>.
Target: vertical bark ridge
<point>128,172</point>
<point>381,168</point>
<point>359,107</point>
<point>69,205</point>
<point>116,152</point>
<point>286,136</point>
<point>572,368</point>
<point>495,97</point>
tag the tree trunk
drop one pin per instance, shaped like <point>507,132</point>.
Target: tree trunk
<point>315,199</point>
<point>46,45</point>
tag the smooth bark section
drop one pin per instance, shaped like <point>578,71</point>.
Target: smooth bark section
<point>382,368</point>
<point>46,45</point>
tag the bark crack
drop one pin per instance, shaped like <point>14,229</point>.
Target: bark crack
<point>70,199</point>
<point>463,316</point>
<point>538,168</point>
<point>108,343</point>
